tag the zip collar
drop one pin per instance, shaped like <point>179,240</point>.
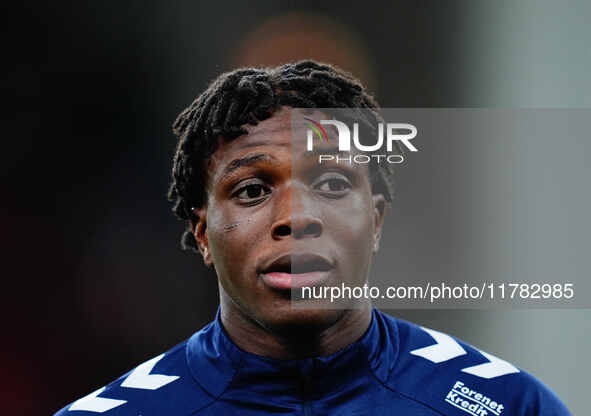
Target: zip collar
<point>218,365</point>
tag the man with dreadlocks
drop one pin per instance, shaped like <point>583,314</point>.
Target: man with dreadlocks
<point>269,220</point>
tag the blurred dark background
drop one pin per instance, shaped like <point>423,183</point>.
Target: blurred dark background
<point>95,281</point>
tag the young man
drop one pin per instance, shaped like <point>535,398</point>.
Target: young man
<point>269,219</point>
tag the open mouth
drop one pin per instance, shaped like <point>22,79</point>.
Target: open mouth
<point>296,271</point>
<point>299,263</point>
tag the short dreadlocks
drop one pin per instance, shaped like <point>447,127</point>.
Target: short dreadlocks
<point>248,96</point>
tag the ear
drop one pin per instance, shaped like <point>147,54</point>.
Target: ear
<point>199,229</point>
<point>379,203</point>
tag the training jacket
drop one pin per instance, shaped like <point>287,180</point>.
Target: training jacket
<point>396,368</point>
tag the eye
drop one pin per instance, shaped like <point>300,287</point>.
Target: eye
<point>251,193</point>
<point>333,185</point>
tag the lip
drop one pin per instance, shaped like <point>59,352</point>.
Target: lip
<point>278,274</point>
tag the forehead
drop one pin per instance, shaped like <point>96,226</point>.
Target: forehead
<point>275,130</point>
<point>274,134</point>
<point>280,140</point>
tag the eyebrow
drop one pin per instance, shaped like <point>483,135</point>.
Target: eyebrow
<point>246,161</point>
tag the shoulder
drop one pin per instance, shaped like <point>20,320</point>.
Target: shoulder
<point>152,388</point>
<point>456,378</point>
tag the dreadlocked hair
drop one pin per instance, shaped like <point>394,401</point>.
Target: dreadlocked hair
<point>247,96</point>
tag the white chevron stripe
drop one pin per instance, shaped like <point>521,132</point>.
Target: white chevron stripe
<point>140,378</point>
<point>92,403</point>
<point>495,368</point>
<point>445,348</point>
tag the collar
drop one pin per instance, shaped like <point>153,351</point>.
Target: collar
<point>217,364</point>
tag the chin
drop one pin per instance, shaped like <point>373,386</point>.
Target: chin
<point>301,318</point>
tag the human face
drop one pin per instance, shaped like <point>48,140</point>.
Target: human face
<point>272,210</point>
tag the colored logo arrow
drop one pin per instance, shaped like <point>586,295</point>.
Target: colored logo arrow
<point>92,403</point>
<point>445,348</point>
<point>141,378</point>
<point>495,368</point>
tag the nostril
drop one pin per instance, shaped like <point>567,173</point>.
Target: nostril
<point>313,229</point>
<point>282,231</point>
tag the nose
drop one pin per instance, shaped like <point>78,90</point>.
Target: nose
<point>296,215</point>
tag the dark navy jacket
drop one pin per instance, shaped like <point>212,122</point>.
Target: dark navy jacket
<point>396,368</point>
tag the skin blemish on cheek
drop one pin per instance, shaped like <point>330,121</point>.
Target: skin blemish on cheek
<point>230,227</point>
<point>233,225</point>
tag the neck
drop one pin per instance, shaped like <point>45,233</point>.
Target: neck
<point>346,327</point>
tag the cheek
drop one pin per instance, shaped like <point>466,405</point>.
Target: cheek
<point>352,230</point>
<point>352,223</point>
<point>233,237</point>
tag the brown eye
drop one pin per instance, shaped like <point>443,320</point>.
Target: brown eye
<point>333,185</point>
<point>252,192</point>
